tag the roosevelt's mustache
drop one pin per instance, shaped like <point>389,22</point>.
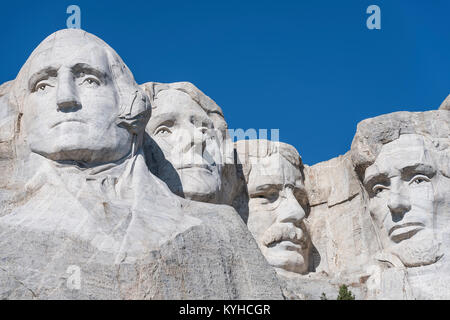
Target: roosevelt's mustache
<point>284,232</point>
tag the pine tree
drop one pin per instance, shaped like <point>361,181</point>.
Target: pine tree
<point>345,294</point>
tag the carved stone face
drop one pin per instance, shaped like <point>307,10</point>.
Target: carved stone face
<point>402,185</point>
<point>72,104</point>
<point>184,132</point>
<point>276,213</point>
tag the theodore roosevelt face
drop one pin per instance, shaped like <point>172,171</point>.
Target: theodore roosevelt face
<point>276,212</point>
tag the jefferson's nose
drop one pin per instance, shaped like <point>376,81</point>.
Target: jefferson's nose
<point>291,211</point>
<point>399,203</point>
<point>67,96</point>
<point>194,139</point>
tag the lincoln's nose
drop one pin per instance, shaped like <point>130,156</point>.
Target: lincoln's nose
<point>398,204</point>
<point>67,96</point>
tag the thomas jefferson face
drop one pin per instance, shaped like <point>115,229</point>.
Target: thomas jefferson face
<point>72,104</point>
<point>276,213</point>
<point>184,132</point>
<point>402,188</point>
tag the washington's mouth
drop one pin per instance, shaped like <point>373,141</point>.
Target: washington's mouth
<point>65,121</point>
<point>405,231</point>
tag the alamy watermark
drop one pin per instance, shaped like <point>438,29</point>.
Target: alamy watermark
<point>374,20</point>
<point>74,20</point>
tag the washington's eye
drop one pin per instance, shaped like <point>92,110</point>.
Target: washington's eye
<point>419,179</point>
<point>163,131</point>
<point>91,81</point>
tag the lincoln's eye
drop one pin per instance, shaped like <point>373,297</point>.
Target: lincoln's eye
<point>378,189</point>
<point>420,179</point>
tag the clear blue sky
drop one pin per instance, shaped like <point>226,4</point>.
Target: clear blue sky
<point>310,68</point>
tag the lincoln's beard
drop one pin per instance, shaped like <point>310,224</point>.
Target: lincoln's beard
<point>421,250</point>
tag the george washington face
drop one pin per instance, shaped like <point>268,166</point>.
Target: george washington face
<point>72,104</point>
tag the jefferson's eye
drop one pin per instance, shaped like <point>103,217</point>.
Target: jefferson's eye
<point>42,86</point>
<point>163,131</point>
<point>419,179</point>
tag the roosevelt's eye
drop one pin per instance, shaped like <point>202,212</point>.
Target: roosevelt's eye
<point>91,82</point>
<point>377,189</point>
<point>162,131</point>
<point>419,179</point>
<point>270,197</point>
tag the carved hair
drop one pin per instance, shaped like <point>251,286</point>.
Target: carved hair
<point>261,148</point>
<point>208,105</point>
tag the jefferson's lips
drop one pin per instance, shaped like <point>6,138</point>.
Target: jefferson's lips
<point>405,231</point>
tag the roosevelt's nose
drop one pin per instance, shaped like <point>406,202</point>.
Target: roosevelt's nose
<point>67,96</point>
<point>290,211</point>
<point>398,203</point>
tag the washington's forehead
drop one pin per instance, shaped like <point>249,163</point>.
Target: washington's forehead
<point>56,56</point>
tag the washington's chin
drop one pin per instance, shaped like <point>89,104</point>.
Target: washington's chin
<point>285,255</point>
<point>68,151</point>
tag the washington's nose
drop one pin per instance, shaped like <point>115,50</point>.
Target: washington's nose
<point>399,204</point>
<point>67,96</point>
<point>291,211</point>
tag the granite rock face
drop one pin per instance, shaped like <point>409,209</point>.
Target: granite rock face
<point>114,190</point>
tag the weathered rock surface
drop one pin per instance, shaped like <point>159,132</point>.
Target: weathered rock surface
<point>340,230</point>
<point>445,104</point>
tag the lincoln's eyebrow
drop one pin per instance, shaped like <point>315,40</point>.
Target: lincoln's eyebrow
<point>41,75</point>
<point>376,177</point>
<point>409,172</point>
<point>87,69</point>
